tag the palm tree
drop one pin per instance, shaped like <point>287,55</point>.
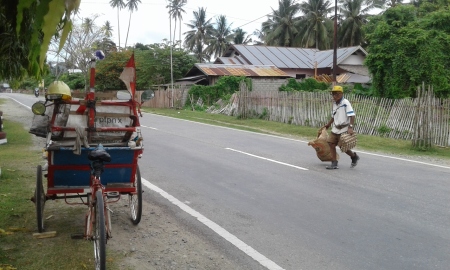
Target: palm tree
<point>88,25</point>
<point>240,38</point>
<point>354,16</point>
<point>132,6</point>
<point>106,45</point>
<point>315,24</point>
<point>201,54</point>
<point>107,29</point>
<point>175,11</point>
<point>119,4</point>
<point>261,35</point>
<point>221,37</point>
<point>200,34</point>
<point>281,27</point>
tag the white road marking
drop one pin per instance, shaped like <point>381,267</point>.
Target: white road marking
<point>20,103</point>
<point>405,159</point>
<point>268,159</point>
<point>149,127</point>
<point>263,260</point>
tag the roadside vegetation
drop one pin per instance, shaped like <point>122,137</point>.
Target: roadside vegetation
<point>18,248</point>
<point>365,142</point>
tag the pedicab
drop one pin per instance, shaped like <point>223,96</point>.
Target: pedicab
<point>92,151</point>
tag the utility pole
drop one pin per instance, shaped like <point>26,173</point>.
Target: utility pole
<point>335,43</point>
<point>171,61</point>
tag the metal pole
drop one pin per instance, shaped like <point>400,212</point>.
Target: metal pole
<point>171,71</point>
<point>171,62</point>
<point>335,43</point>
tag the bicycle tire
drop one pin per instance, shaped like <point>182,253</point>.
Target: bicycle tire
<point>99,236</point>
<point>135,201</point>
<point>39,197</point>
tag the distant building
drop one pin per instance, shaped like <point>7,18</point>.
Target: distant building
<point>266,63</point>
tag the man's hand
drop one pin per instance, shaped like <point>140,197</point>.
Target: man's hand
<point>350,131</point>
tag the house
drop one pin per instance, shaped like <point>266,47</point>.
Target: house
<point>208,74</point>
<point>292,62</point>
<point>299,63</point>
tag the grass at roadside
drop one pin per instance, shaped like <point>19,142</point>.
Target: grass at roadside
<point>18,248</point>
<point>365,142</point>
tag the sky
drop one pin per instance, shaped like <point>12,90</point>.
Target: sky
<point>150,23</point>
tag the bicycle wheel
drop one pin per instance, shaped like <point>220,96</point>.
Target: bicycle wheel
<point>99,236</point>
<point>135,200</point>
<point>39,197</point>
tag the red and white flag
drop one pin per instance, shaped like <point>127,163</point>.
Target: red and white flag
<point>128,76</point>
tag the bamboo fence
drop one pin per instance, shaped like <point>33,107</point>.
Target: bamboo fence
<point>424,120</point>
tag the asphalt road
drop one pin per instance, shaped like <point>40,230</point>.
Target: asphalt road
<point>383,214</point>
<point>275,195</point>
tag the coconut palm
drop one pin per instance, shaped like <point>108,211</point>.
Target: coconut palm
<point>240,38</point>
<point>88,25</point>
<point>119,4</point>
<point>354,16</point>
<point>221,37</point>
<point>201,54</point>
<point>315,24</point>
<point>281,27</point>
<point>106,45</point>
<point>260,35</point>
<point>107,29</point>
<point>132,6</point>
<point>201,32</point>
<point>176,10</point>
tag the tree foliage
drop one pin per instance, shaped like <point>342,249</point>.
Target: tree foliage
<point>152,67</point>
<point>221,38</point>
<point>83,41</point>
<point>307,85</point>
<point>406,51</point>
<point>201,32</point>
<point>316,25</point>
<point>282,26</point>
<point>26,28</point>
<point>223,89</point>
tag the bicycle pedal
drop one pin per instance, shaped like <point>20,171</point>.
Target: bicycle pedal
<point>77,236</point>
<point>112,194</point>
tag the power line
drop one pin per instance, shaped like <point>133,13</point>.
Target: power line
<point>253,20</point>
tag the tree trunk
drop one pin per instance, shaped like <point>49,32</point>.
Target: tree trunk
<point>129,22</point>
<point>118,26</point>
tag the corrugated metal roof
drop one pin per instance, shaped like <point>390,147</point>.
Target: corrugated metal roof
<point>285,57</point>
<point>240,70</point>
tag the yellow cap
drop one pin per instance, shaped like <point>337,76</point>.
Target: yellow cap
<point>58,90</point>
<point>337,88</point>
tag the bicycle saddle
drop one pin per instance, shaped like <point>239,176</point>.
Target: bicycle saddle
<point>99,154</point>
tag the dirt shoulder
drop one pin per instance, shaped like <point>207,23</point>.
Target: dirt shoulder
<point>166,237</point>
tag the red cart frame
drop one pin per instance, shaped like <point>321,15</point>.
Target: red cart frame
<point>92,125</point>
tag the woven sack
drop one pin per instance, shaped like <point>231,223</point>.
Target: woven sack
<point>347,142</point>
<point>321,146</point>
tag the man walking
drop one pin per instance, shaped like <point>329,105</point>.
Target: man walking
<point>343,119</point>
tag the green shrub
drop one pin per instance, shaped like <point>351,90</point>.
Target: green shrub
<point>307,85</point>
<point>383,130</point>
<point>223,89</point>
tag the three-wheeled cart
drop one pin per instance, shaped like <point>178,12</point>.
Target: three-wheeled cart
<point>92,151</point>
